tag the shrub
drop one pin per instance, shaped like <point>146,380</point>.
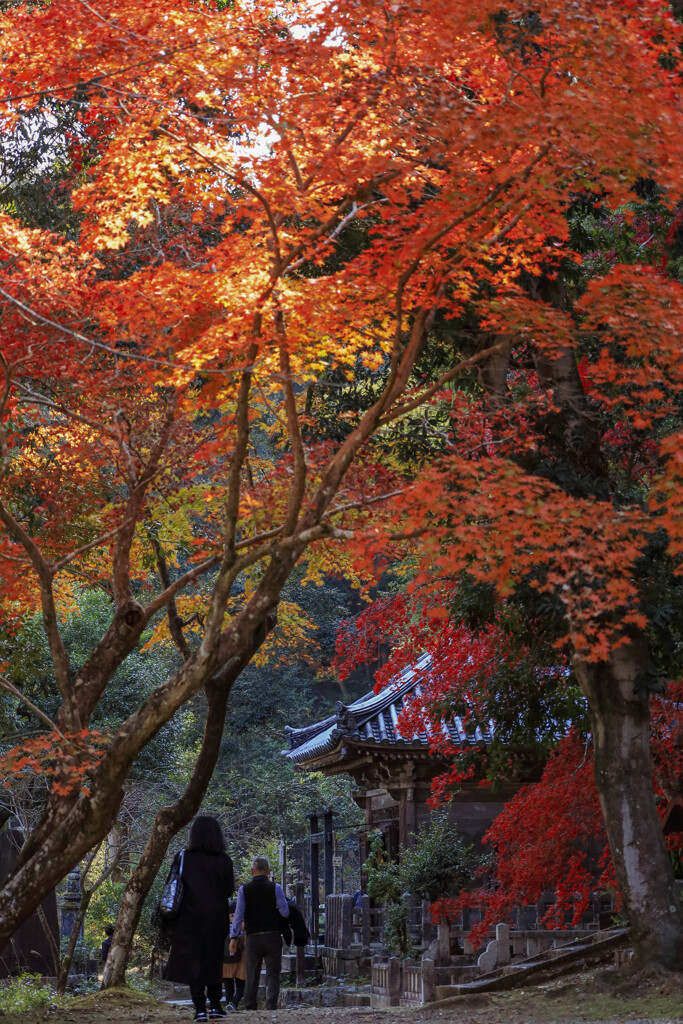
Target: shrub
<point>24,993</point>
<point>439,865</point>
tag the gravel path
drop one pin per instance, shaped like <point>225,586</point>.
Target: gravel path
<point>581,999</point>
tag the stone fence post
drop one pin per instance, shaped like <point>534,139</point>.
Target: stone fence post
<point>394,981</point>
<point>428,981</point>
<point>365,934</point>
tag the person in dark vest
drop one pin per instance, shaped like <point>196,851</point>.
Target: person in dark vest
<point>260,904</point>
<point>106,945</point>
<point>201,927</point>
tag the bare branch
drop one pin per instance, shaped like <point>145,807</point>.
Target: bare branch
<point>449,375</point>
<point>118,353</point>
<point>6,685</point>
<point>88,547</point>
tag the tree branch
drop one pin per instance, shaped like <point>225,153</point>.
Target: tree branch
<point>6,685</point>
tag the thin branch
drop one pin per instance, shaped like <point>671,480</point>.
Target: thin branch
<point>175,623</point>
<point>39,399</point>
<point>363,504</point>
<point>124,537</point>
<point>451,374</point>
<point>4,448</point>
<point>162,600</point>
<point>88,547</point>
<point>118,353</point>
<point>6,685</point>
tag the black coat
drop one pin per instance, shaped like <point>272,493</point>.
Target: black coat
<point>200,928</point>
<point>293,928</point>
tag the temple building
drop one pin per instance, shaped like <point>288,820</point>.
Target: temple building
<point>392,774</point>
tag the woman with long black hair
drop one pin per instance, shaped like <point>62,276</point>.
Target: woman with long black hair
<point>199,931</point>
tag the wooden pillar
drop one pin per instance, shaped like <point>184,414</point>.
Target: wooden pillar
<point>300,950</point>
<point>328,851</point>
<point>315,880</point>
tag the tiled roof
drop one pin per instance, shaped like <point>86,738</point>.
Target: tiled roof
<point>373,720</point>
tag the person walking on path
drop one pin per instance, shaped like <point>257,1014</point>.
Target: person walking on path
<point>201,927</point>
<point>234,970</point>
<point>260,905</point>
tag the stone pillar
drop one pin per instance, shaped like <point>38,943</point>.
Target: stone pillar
<point>503,940</point>
<point>394,981</point>
<point>70,903</point>
<point>428,981</point>
<point>427,926</point>
<point>443,936</point>
<point>365,932</point>
<point>346,920</point>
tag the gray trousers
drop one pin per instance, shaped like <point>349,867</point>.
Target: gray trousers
<point>262,946</point>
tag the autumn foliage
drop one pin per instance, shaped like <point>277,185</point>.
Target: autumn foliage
<point>550,839</point>
<point>258,202</point>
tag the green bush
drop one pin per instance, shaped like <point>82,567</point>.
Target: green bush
<point>395,927</point>
<point>383,881</point>
<point>23,994</point>
<point>439,864</point>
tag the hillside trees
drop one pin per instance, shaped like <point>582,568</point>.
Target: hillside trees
<point>220,156</point>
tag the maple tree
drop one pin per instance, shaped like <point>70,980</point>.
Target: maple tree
<point>551,835</point>
<point>157,355</point>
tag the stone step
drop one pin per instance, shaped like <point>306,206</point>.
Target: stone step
<point>549,964</point>
<point>289,962</point>
<point>453,974</point>
<point>356,998</point>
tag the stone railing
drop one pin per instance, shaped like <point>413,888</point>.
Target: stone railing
<point>401,983</point>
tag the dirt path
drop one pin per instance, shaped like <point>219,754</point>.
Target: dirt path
<point>599,996</point>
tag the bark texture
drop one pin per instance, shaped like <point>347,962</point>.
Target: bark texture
<point>621,735</point>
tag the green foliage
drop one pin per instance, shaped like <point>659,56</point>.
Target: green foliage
<point>29,668</point>
<point>439,864</point>
<point>103,910</point>
<point>24,994</point>
<point>395,927</point>
<point>385,888</point>
<point>384,885</point>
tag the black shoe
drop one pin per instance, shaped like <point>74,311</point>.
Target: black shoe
<point>215,1012</point>
<point>200,1015</point>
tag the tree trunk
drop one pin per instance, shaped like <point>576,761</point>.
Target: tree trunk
<point>620,721</point>
<point>171,819</point>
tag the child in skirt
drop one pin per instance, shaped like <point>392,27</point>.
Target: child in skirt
<point>234,970</point>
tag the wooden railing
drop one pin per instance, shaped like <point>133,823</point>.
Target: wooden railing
<point>347,925</point>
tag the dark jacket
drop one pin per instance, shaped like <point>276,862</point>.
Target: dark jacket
<point>200,928</point>
<point>293,928</point>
